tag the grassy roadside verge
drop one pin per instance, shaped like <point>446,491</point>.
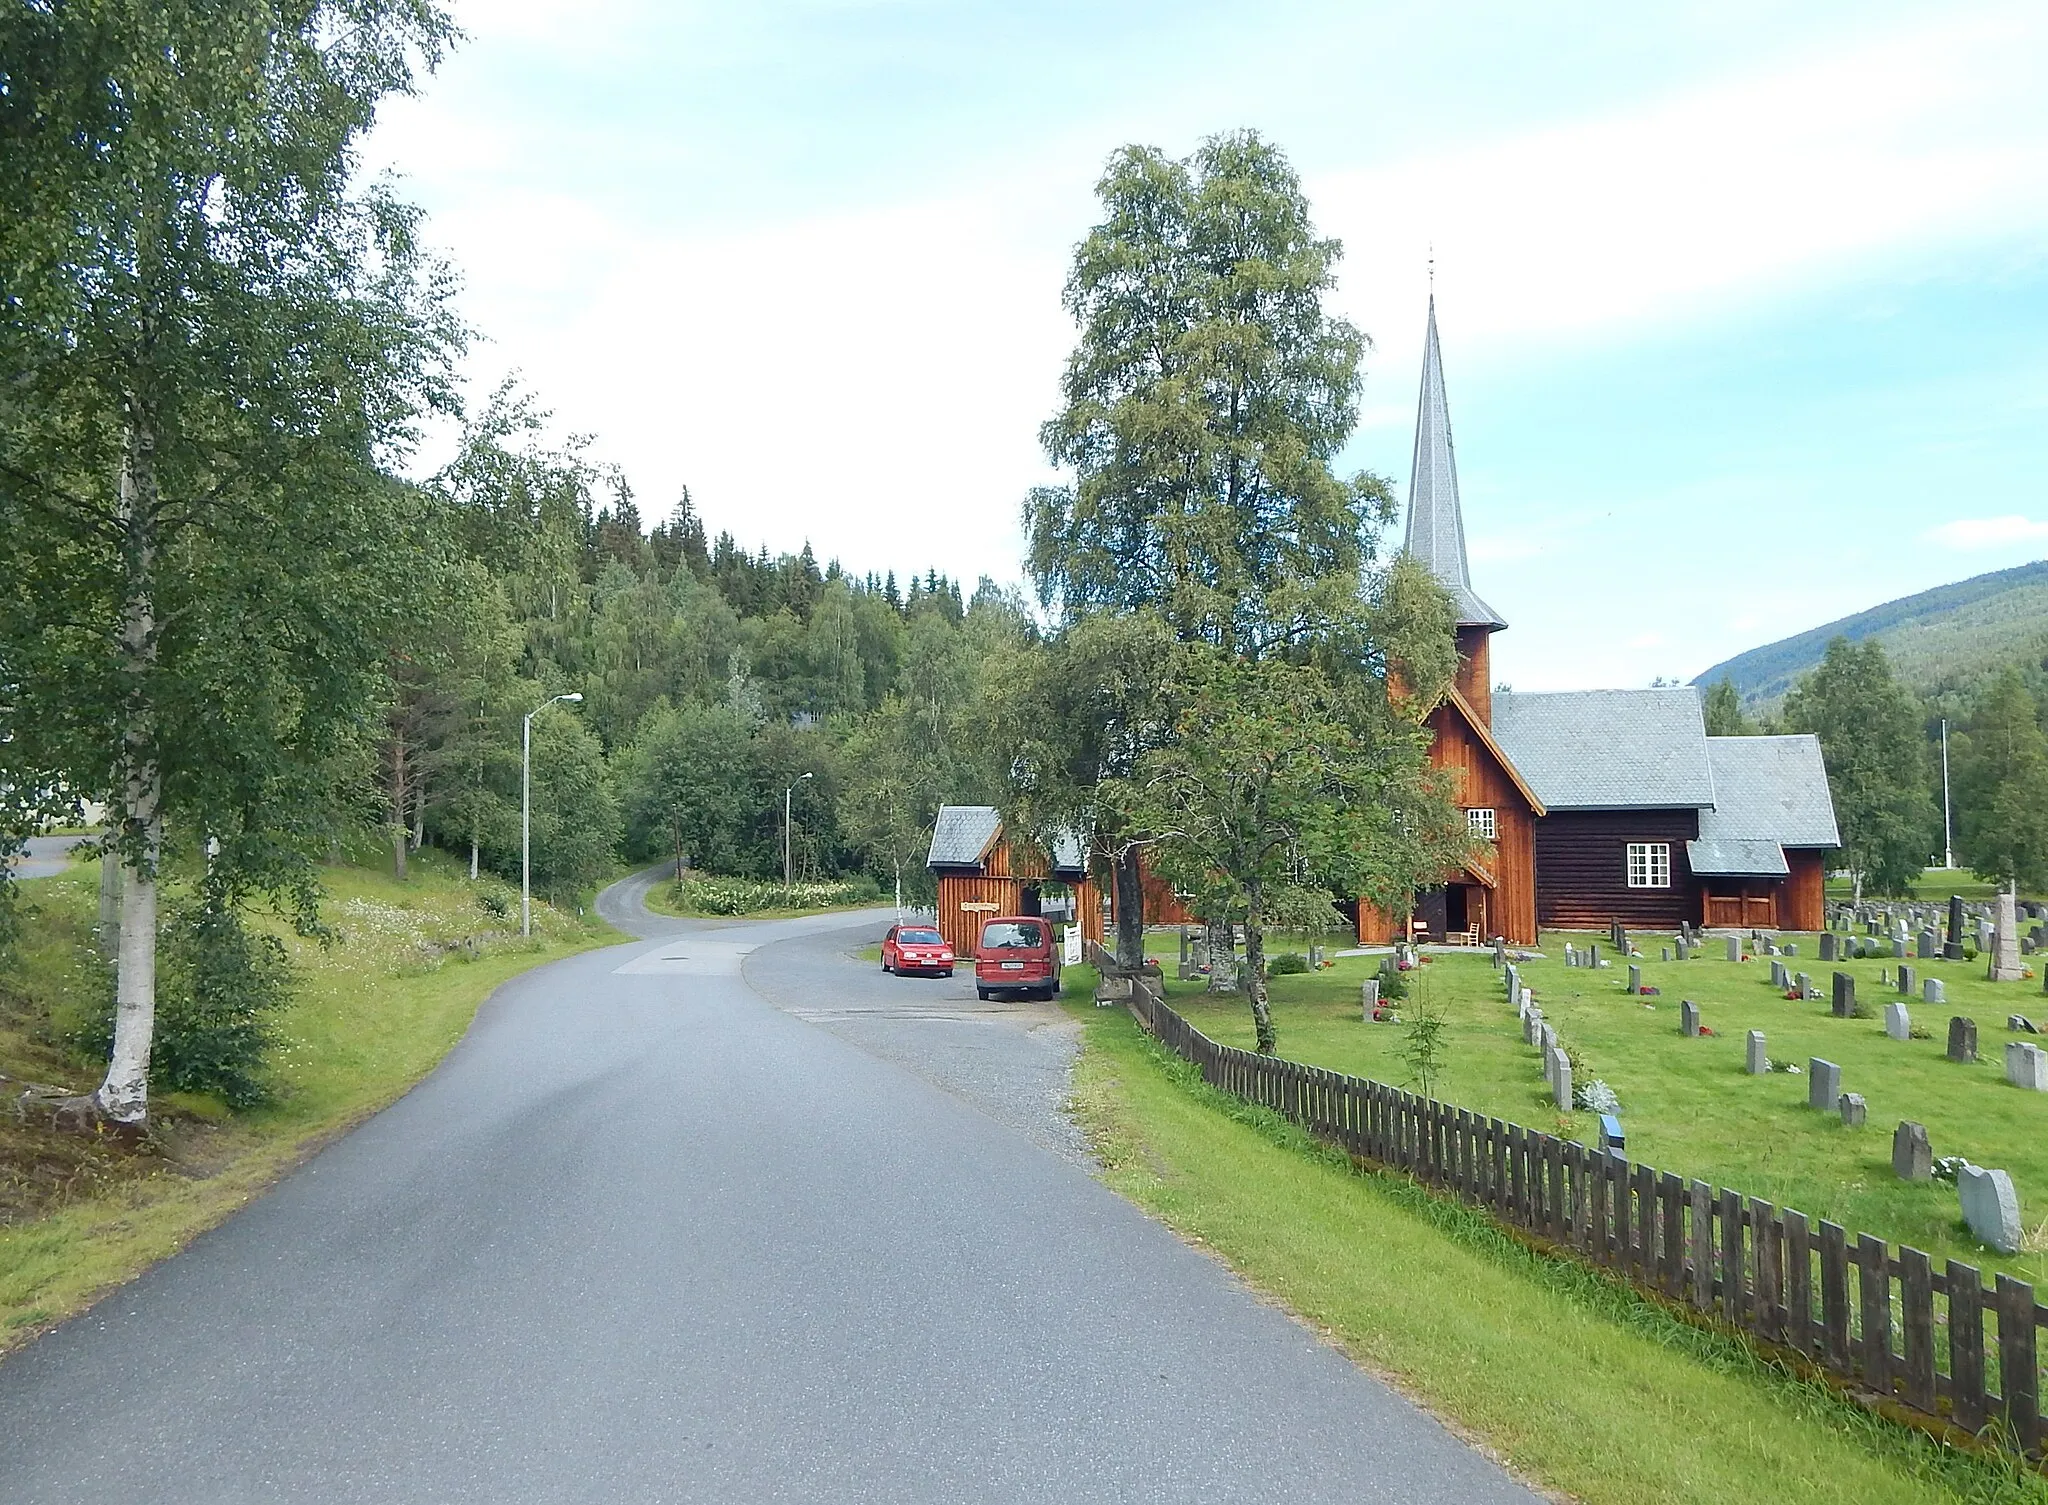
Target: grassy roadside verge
<point>372,1015</point>
<point>1575,1382</point>
<point>658,901</point>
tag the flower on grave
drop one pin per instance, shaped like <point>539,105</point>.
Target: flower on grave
<point>1705,1031</point>
<point>1792,995</point>
<point>1649,992</point>
<point>1794,1070</point>
<point>1597,1097</point>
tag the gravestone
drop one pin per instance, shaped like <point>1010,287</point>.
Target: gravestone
<point>1571,954</point>
<point>1621,944</point>
<point>1907,981</point>
<point>1804,983</point>
<point>2020,1024</point>
<point>1830,947</point>
<point>1635,978</point>
<point>1529,998</point>
<point>1990,1207</point>
<point>1962,1040</point>
<point>1561,1086</point>
<point>1532,1021</point>
<point>1897,1022</point>
<point>1689,1019</point>
<point>1612,1140</point>
<point>1684,948</point>
<point>1779,977</point>
<point>1500,952</point>
<point>2026,1065</point>
<point>1823,1084</point>
<point>1845,995</point>
<point>1666,953</point>
<point>1790,948</point>
<point>1852,1109</point>
<point>1593,953</point>
<point>1369,997</point>
<point>1952,948</point>
<point>2004,947</point>
<point>1912,1159</point>
<point>1755,1062</point>
<point>1546,1036</point>
<point>1513,981</point>
<point>1898,947</point>
<point>1735,948</point>
<point>1933,991</point>
<point>1924,946</point>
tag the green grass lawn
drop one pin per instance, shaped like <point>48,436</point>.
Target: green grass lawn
<point>373,1014</point>
<point>1933,887</point>
<point>1577,1383</point>
<point>1686,1104</point>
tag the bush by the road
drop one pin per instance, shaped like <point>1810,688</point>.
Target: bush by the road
<point>737,896</point>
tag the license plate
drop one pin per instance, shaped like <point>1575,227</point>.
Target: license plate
<point>1013,966</point>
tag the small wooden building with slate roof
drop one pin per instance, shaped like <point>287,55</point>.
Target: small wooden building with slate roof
<point>979,875</point>
<point>1596,805</point>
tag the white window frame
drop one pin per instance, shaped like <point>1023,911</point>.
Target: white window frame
<point>1649,864</point>
<point>1480,822</point>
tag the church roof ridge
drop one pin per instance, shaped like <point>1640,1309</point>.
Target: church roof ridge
<point>1436,521</point>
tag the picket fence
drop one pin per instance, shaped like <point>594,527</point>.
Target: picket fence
<point>1890,1324</point>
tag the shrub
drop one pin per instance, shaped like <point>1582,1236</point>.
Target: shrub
<point>738,896</point>
<point>1393,981</point>
<point>1286,963</point>
<point>217,990</point>
<point>494,904</point>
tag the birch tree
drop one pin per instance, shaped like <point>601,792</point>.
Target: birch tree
<point>212,340</point>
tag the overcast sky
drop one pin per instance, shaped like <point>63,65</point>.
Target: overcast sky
<point>1744,306</point>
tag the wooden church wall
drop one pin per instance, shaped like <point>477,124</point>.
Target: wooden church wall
<point>1582,869</point>
<point>1483,784</point>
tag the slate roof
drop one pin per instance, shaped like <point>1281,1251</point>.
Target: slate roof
<point>1608,749</point>
<point>1769,793</point>
<point>1436,521</point>
<point>963,832</point>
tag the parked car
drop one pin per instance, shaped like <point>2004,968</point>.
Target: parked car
<point>1017,955</point>
<point>916,948</point>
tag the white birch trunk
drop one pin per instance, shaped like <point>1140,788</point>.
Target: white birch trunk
<point>123,1097</point>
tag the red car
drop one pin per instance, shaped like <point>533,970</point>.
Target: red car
<point>916,948</point>
<point>1017,955</point>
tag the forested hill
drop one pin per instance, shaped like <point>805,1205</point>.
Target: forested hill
<point>1950,635</point>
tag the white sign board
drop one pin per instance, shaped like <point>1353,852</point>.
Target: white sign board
<point>1072,955</point>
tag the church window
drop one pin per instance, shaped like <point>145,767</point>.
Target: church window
<point>1480,823</point>
<point>1649,864</point>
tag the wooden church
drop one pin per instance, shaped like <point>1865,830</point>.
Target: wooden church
<point>1596,805</point>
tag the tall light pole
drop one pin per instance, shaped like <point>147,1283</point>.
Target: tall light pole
<point>526,809</point>
<point>1948,850</point>
<point>785,836</point>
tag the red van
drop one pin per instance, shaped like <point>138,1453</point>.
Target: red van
<point>1017,955</point>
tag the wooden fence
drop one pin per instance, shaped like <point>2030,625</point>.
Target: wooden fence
<point>1888,1323</point>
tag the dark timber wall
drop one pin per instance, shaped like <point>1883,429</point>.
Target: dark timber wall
<point>1582,869</point>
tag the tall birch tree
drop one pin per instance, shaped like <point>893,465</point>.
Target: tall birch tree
<point>212,340</point>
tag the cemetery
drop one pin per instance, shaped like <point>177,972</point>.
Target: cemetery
<point>1713,1068</point>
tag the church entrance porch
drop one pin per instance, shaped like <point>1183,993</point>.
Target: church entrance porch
<point>1454,915</point>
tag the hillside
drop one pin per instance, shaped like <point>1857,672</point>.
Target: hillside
<point>1946,635</point>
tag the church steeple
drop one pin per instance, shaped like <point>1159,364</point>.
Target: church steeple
<point>1436,523</point>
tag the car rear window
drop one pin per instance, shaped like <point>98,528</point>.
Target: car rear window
<point>918,938</point>
<point>1010,935</point>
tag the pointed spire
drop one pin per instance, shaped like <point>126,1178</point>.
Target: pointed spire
<point>1436,523</point>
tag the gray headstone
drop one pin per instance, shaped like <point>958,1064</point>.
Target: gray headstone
<point>1924,945</point>
<point>1952,947</point>
<point>1962,1040</point>
<point>1688,1018</point>
<point>1907,981</point>
<point>1933,991</point>
<point>2026,1065</point>
<point>1790,948</point>
<point>1779,977</point>
<point>1845,995</point>
<point>1369,997</point>
<point>1735,948</point>
<point>1755,1062</point>
<point>1500,952</point>
<point>1514,981</point>
<point>1852,1109</point>
<point>1912,1159</point>
<point>1593,953</point>
<point>1666,953</point>
<point>1990,1207</point>
<point>2020,1024</point>
<point>1635,978</point>
<point>2005,949</point>
<point>1823,1084</point>
<point>1532,1021</point>
<point>1829,946</point>
<point>1561,1087</point>
<point>1804,983</point>
<point>1898,947</point>
<point>1528,998</point>
<point>1897,1022</point>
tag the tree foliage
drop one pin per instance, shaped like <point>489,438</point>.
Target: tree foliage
<point>2001,785</point>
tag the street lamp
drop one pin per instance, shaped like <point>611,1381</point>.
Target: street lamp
<point>785,836</point>
<point>526,809</point>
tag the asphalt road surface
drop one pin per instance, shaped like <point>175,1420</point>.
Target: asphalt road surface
<point>46,856</point>
<point>722,1215</point>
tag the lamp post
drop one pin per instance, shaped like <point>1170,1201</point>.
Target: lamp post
<point>526,809</point>
<point>785,835</point>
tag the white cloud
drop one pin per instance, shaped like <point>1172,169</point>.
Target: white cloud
<point>1987,532</point>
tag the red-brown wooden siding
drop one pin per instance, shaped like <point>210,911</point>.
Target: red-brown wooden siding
<point>1484,784</point>
<point>962,927</point>
<point>1804,903</point>
<point>1582,869</point>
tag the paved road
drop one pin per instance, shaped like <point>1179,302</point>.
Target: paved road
<point>646,1236</point>
<point>46,856</point>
